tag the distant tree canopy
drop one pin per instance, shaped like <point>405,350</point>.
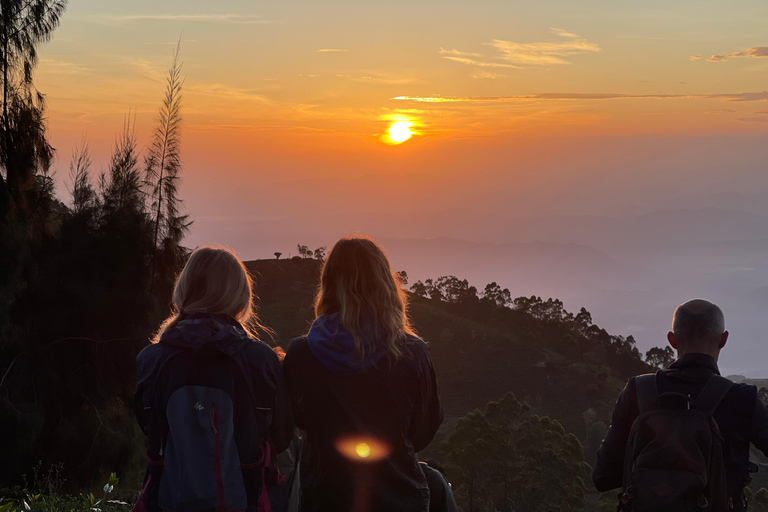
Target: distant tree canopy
<point>569,333</point>
<point>305,252</point>
<point>504,456</point>
<point>660,358</point>
<point>89,283</point>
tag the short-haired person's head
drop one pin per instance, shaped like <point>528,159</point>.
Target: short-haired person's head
<point>358,283</point>
<point>698,327</point>
<point>215,281</point>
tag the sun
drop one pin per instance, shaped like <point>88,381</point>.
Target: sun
<point>400,131</point>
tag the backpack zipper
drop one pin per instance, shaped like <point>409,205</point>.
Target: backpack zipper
<point>217,457</point>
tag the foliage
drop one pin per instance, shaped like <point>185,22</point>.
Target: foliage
<point>660,358</point>
<point>45,498</point>
<point>24,24</point>
<point>505,455</point>
<point>760,501</point>
<point>79,308</point>
<point>162,165</point>
<point>576,334</point>
<point>307,253</point>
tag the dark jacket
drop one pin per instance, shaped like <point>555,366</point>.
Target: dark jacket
<point>338,397</point>
<point>741,416</point>
<point>214,350</point>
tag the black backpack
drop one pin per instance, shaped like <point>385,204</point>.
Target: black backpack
<point>674,457</point>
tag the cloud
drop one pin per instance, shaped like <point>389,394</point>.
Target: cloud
<point>696,57</point>
<point>763,119</point>
<point>483,74</point>
<point>470,59</point>
<point>63,67</point>
<point>545,53</point>
<point>520,55</point>
<point>205,18</point>
<point>754,52</point>
<point>329,50</point>
<point>744,96</point>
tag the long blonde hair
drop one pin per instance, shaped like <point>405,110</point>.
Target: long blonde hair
<point>358,283</point>
<point>214,280</point>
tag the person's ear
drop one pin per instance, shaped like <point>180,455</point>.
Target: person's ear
<point>671,339</point>
<point>723,340</point>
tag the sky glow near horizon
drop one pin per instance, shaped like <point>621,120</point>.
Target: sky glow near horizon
<point>518,110</point>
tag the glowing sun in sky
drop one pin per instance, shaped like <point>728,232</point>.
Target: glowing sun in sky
<point>400,131</point>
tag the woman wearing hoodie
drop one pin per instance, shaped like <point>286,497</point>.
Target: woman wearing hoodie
<point>210,396</point>
<point>363,388</point>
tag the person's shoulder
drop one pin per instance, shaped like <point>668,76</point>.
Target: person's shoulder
<point>416,351</point>
<point>257,350</point>
<point>297,348</point>
<point>743,391</point>
<point>150,353</point>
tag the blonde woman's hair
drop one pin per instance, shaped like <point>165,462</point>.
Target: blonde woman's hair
<point>358,283</point>
<point>214,280</point>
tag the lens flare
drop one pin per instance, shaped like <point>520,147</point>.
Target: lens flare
<point>363,448</point>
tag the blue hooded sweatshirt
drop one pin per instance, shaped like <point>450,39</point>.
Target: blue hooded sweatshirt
<point>334,347</point>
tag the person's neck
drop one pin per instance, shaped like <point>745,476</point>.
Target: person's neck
<point>715,354</point>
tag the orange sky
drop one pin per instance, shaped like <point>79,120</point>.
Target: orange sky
<point>276,92</point>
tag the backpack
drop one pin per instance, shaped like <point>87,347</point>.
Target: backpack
<point>201,456</point>
<point>674,457</point>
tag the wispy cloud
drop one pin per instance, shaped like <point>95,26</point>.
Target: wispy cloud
<point>63,67</point>
<point>205,18</point>
<point>754,52</point>
<point>472,59</point>
<point>696,57</point>
<point>744,96</point>
<point>488,75</point>
<point>520,55</point>
<point>545,53</point>
<point>330,50</point>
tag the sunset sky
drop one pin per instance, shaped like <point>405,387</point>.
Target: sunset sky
<point>514,106</point>
<point>602,128</point>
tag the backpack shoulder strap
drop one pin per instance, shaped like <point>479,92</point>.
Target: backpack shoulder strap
<point>712,394</point>
<point>647,392</point>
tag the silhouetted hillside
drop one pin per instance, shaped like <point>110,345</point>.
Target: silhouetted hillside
<point>561,364</point>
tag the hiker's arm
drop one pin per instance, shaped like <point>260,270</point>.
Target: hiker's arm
<point>281,431</point>
<point>429,412</point>
<point>292,381</point>
<point>146,362</point>
<point>759,434</point>
<point>609,467</point>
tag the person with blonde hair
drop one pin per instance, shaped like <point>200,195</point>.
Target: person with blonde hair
<point>210,396</point>
<point>363,388</point>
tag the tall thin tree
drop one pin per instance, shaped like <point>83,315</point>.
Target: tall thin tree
<point>163,164</point>
<point>83,195</point>
<point>23,25</point>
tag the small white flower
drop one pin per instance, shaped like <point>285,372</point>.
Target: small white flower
<point>108,488</point>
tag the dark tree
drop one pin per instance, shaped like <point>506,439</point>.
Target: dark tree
<point>24,24</point>
<point>277,255</point>
<point>162,167</point>
<point>660,357</point>
<point>504,454</point>
<point>320,253</point>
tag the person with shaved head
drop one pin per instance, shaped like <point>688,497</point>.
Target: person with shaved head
<point>653,411</point>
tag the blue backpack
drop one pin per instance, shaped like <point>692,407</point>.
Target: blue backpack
<point>205,453</point>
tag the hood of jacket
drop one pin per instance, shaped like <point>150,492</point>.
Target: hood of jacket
<point>205,333</point>
<point>334,347</point>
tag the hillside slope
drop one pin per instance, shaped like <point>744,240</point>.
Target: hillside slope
<point>480,352</point>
